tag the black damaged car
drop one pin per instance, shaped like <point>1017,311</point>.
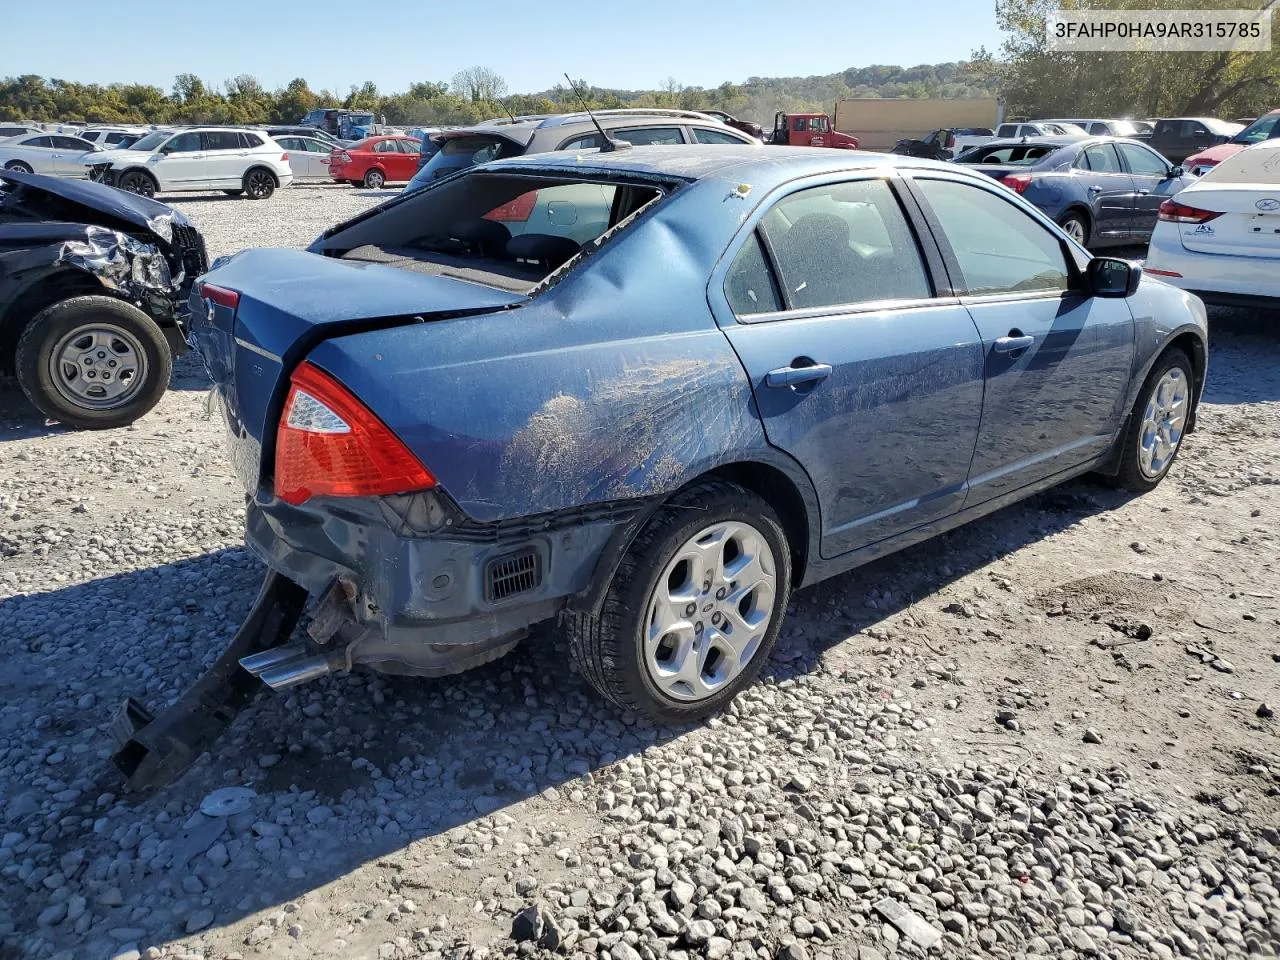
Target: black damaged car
<point>93,290</point>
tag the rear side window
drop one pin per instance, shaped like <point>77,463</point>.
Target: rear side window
<point>250,140</point>
<point>650,136</point>
<point>409,146</point>
<point>185,143</point>
<point>1000,249</point>
<point>222,140</point>
<point>113,137</point>
<point>38,142</point>
<point>1102,158</point>
<point>843,243</point>
<point>1007,130</point>
<point>749,286</point>
<point>385,146</point>
<point>71,143</point>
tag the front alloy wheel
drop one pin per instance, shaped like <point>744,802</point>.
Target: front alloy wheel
<point>138,183</point>
<point>374,179</point>
<point>1157,423</point>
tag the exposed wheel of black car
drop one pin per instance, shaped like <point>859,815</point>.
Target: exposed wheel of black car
<point>694,608</point>
<point>259,184</point>
<point>1076,226</point>
<point>233,193</point>
<point>1157,424</point>
<point>374,179</point>
<point>135,181</point>
<point>18,167</point>
<point>93,362</point>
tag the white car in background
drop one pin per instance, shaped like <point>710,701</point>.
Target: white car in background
<point>308,156</point>
<point>1220,237</point>
<point>232,160</point>
<point>55,154</point>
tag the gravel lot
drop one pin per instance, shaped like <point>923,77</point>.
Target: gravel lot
<point>1042,735</point>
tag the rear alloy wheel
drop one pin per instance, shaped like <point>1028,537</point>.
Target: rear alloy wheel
<point>694,608</point>
<point>93,362</point>
<point>1076,227</point>
<point>259,184</point>
<point>17,166</point>
<point>1157,424</point>
<point>374,179</point>
<point>137,182</point>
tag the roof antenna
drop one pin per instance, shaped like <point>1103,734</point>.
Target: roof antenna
<point>503,107</point>
<point>607,143</point>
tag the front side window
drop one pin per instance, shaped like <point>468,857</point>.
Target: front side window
<point>184,143</point>
<point>703,135</point>
<point>72,143</point>
<point>801,124</point>
<point>843,243</point>
<point>409,146</point>
<point>1142,162</point>
<point>818,125</point>
<point>385,146</point>
<point>1268,128</point>
<point>999,248</point>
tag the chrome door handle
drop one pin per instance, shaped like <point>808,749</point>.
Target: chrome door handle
<point>793,376</point>
<point>1012,343</point>
<point>1095,190</point>
<point>1143,193</point>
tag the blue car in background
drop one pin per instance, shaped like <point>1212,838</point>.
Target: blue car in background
<point>649,393</point>
<point>1102,191</point>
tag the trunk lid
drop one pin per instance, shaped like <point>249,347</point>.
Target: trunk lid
<point>1248,225</point>
<point>289,301</point>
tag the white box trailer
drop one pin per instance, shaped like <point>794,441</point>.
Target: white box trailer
<point>879,124</point>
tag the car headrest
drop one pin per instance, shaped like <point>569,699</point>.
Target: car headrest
<point>489,236</point>
<point>543,248</point>
<point>821,229</point>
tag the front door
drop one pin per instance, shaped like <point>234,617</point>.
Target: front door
<point>1057,361</point>
<point>1108,190</point>
<point>866,376</point>
<point>1152,184</point>
<point>181,164</point>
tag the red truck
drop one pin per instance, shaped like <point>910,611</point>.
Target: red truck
<point>809,130</point>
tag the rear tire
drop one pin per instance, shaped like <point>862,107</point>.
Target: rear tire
<point>633,651</point>
<point>1076,226</point>
<point>1157,424</point>
<point>135,181</point>
<point>17,166</point>
<point>259,184</point>
<point>374,179</point>
<point>126,352</point>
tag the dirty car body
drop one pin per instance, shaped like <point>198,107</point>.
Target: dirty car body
<point>538,414</point>
<point>62,238</point>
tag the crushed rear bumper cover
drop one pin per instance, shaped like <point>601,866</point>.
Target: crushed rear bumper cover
<point>152,751</point>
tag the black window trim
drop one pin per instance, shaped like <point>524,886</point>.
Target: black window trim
<point>1122,172</point>
<point>1077,263</point>
<point>936,274</point>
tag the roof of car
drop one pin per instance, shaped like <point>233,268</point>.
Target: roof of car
<point>521,129</point>
<point>700,161</point>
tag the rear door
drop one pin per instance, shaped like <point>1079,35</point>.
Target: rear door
<point>1057,362</point>
<point>865,368</point>
<point>406,159</point>
<point>1108,189</point>
<point>226,158</point>
<point>1152,185</point>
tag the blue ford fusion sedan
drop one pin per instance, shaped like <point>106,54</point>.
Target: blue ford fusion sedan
<point>647,394</point>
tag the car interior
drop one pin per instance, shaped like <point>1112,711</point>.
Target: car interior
<point>505,231</point>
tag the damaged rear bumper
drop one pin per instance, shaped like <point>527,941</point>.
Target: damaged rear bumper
<point>429,592</point>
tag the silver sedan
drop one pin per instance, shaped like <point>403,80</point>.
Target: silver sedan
<point>308,157</point>
<point>55,154</point>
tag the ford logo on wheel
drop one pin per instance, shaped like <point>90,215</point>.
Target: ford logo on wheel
<point>1268,205</point>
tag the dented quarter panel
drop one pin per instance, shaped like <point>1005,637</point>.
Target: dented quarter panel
<point>616,383</point>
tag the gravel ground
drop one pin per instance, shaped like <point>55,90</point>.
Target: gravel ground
<point>1043,735</point>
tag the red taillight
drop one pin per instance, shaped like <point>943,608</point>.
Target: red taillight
<point>284,156</point>
<point>344,157</point>
<point>221,296</point>
<point>1173,212</point>
<point>330,444</point>
<point>1017,182</point>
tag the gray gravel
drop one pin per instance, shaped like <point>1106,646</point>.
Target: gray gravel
<point>969,740</point>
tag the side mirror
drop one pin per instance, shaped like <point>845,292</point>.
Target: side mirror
<point>1221,139</point>
<point>166,149</point>
<point>1177,172</point>
<point>1112,277</point>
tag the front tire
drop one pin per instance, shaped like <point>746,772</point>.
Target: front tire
<point>93,362</point>
<point>1157,424</point>
<point>694,608</point>
<point>374,179</point>
<point>259,184</point>
<point>17,166</point>
<point>135,181</point>
<point>1075,226</point>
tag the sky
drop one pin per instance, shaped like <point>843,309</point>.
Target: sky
<point>624,45</point>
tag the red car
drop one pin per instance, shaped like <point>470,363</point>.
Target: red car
<point>1266,127</point>
<point>375,161</point>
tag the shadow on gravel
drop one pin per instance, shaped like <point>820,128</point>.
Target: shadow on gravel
<point>1244,356</point>
<point>349,769</point>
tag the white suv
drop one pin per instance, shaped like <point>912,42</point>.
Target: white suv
<point>234,161</point>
